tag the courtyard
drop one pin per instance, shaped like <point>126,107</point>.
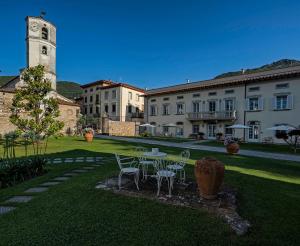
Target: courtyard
<point>74,212</point>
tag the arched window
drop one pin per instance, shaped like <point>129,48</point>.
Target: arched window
<point>44,33</point>
<point>44,50</point>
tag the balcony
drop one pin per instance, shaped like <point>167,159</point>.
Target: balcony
<point>137,115</point>
<point>217,115</point>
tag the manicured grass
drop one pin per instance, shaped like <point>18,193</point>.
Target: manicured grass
<point>76,213</point>
<point>169,139</point>
<point>276,148</point>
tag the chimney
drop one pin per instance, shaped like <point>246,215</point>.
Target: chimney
<point>187,81</point>
<point>243,71</point>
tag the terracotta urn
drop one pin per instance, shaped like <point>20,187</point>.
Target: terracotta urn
<point>209,173</point>
<point>232,148</point>
<point>89,137</point>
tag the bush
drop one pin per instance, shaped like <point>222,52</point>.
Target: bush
<point>19,170</point>
<point>145,134</point>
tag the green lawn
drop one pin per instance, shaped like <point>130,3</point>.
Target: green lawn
<point>75,213</point>
<point>276,148</point>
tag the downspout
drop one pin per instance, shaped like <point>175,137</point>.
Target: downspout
<point>121,104</point>
<point>245,112</point>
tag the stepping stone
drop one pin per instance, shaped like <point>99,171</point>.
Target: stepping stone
<point>69,160</point>
<point>61,178</point>
<point>71,174</point>
<point>56,162</point>
<point>80,159</point>
<point>4,209</point>
<point>90,160</point>
<point>97,165</point>
<point>36,190</point>
<point>80,171</point>
<point>89,168</point>
<point>19,199</point>
<point>50,183</point>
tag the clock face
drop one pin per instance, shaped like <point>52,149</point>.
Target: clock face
<point>34,26</point>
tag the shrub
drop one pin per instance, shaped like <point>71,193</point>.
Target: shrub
<point>88,130</point>
<point>145,134</point>
<point>15,172</point>
<point>229,140</point>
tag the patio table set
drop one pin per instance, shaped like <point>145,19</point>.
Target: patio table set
<point>155,161</point>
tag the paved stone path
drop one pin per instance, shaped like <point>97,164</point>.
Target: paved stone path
<point>83,159</point>
<point>99,161</point>
<point>188,145</point>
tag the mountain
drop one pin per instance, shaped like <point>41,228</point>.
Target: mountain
<point>5,79</point>
<point>283,63</point>
<point>69,89</point>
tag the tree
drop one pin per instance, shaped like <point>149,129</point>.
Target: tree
<point>292,138</point>
<point>33,110</point>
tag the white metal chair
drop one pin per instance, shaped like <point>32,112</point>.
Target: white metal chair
<point>163,173</point>
<point>127,166</point>
<point>178,167</point>
<point>143,161</point>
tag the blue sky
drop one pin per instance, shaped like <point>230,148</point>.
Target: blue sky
<point>153,43</point>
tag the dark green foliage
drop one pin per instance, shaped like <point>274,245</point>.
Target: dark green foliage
<point>69,89</point>
<point>21,169</point>
<point>283,63</point>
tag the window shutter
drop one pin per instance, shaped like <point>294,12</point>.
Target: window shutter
<point>290,100</point>
<point>274,103</point>
<point>247,102</point>
<point>261,104</point>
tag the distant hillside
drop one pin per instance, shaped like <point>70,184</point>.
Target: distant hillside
<point>274,65</point>
<point>5,79</point>
<point>68,89</point>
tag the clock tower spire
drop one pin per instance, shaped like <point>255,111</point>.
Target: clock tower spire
<point>41,45</point>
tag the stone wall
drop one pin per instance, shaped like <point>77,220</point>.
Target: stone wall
<point>68,114</point>
<point>121,128</point>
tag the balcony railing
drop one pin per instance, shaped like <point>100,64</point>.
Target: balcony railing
<point>137,115</point>
<point>217,115</point>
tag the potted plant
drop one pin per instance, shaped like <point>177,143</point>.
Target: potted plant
<point>231,145</point>
<point>209,173</point>
<point>88,134</point>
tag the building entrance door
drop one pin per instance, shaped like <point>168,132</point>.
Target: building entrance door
<point>254,131</point>
<point>211,131</point>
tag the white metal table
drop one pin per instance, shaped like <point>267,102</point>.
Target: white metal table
<point>146,163</point>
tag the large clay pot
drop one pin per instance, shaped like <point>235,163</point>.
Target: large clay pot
<point>89,137</point>
<point>232,148</point>
<point>209,174</point>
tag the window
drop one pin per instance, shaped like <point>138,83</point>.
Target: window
<point>44,50</point>
<point>91,98</point>
<point>166,109</point>
<point>229,106</point>
<point>113,108</point>
<point>282,86</point>
<point>254,88</point>
<point>106,95</point>
<point>97,110</point>
<point>212,93</point>
<point>114,94</point>
<point>196,95</point>
<point>106,108</point>
<point>196,107</point>
<point>45,33</point>
<point>166,99</point>
<point>137,97</point>
<point>85,99</point>
<point>97,88</point>
<point>91,109</point>
<point>129,109</point>
<point>195,129</point>
<point>254,104</point>
<point>153,100</point>
<point>165,129</point>
<point>179,129</point>
<point>153,110</point>
<point>180,108</point>
<point>85,90</point>
<point>91,89</point>
<point>130,95</point>
<point>97,99</point>
<point>283,102</point>
<point>85,110</point>
<point>212,106</point>
<point>179,97</point>
<point>228,131</point>
<point>229,91</point>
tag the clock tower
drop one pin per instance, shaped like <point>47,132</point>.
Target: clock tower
<point>41,46</point>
